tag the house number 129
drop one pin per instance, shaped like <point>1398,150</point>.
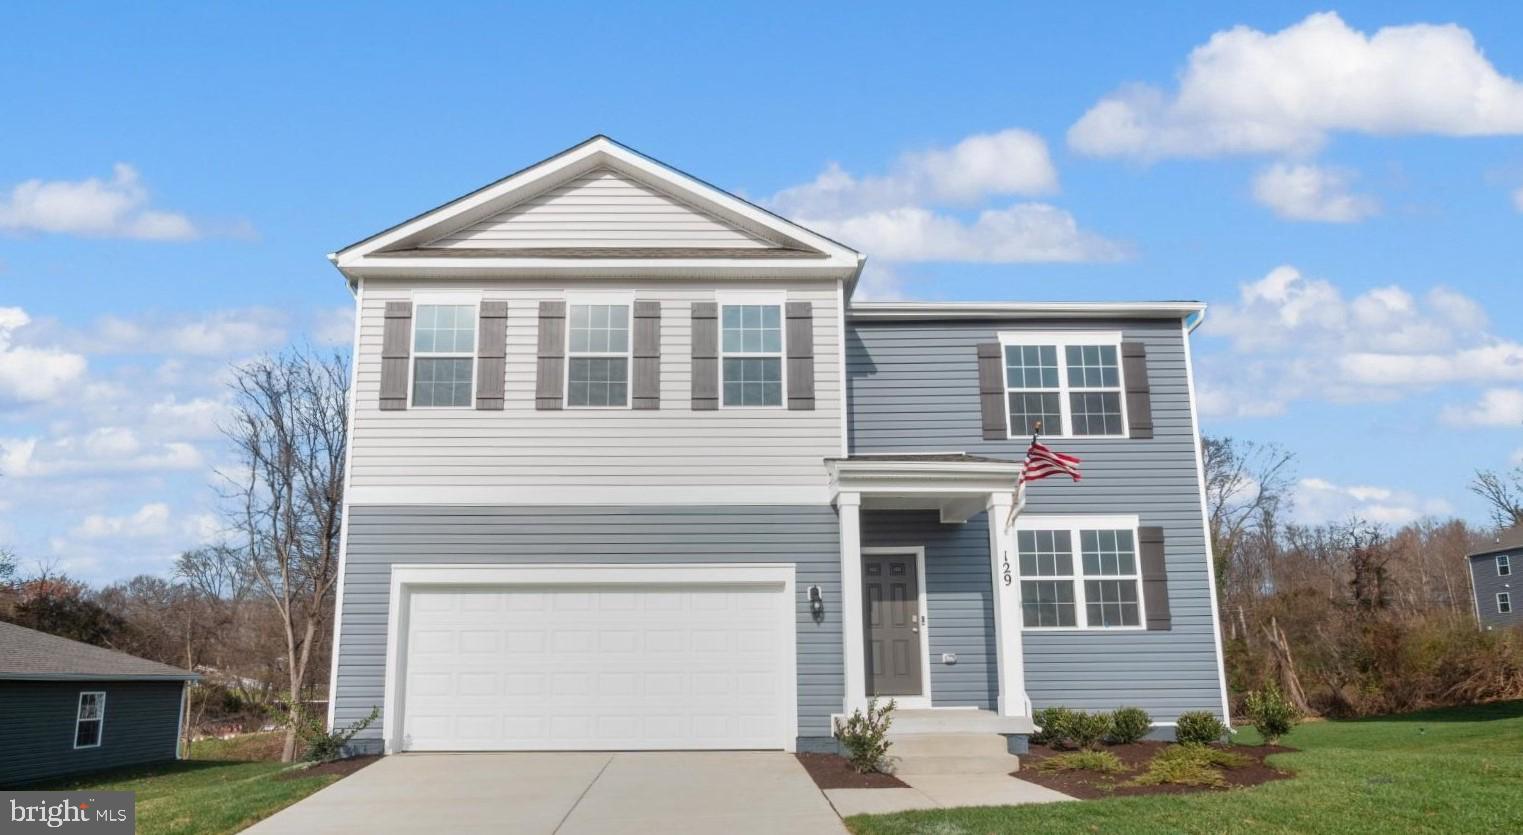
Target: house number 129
<point>1005,569</point>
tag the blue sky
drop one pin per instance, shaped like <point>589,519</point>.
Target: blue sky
<point>1349,197</point>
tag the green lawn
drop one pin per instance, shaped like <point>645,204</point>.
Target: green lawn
<point>216,791</point>
<point>1437,771</point>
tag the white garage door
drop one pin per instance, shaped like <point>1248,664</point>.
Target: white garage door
<point>598,668</point>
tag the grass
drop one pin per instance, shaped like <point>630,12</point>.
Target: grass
<point>1100,762</point>
<point>216,791</point>
<point>1458,770</point>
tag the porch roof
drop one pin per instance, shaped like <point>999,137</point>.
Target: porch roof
<point>957,484</point>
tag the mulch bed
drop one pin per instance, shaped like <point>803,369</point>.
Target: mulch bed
<point>342,768</point>
<point>1088,785</point>
<point>833,771</point>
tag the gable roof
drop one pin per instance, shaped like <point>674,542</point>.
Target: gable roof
<point>598,208</point>
<point>1508,540</point>
<point>31,655</point>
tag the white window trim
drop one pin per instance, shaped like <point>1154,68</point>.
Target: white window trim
<point>626,299</point>
<point>1073,525</point>
<point>756,298</point>
<point>418,299</point>
<point>1061,340</point>
<point>100,732</point>
<point>1504,598</point>
<point>1504,565</point>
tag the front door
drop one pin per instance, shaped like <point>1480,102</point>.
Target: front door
<point>891,592</point>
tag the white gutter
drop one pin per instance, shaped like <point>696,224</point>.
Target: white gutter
<point>881,311</point>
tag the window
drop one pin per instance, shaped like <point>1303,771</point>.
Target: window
<point>1504,602</point>
<point>597,370</point>
<point>751,353</point>
<point>1504,565</point>
<point>1070,383</point>
<point>1100,587</point>
<point>89,720</point>
<point>444,354</point>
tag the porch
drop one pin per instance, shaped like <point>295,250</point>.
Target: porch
<point>926,569</point>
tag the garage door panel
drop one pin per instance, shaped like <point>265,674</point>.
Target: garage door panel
<point>631,667</point>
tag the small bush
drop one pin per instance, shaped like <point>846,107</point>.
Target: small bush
<point>1204,755</point>
<point>1180,771</point>
<point>322,745</point>
<point>1100,762</point>
<point>1200,727</point>
<point>865,736</point>
<point>1273,715</point>
<point>1054,722</point>
<point>1088,729</point>
<point>1129,725</point>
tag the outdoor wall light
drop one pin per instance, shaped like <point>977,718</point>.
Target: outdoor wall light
<point>816,602</point>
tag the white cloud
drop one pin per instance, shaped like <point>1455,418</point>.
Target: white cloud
<point>200,417</point>
<point>1011,162</point>
<point>114,208</point>
<point>150,520</point>
<point>1320,501</point>
<point>1496,407</point>
<point>1517,198</point>
<point>1311,192</point>
<point>29,374</point>
<point>1023,233</point>
<point>213,333</point>
<point>1247,91</point>
<point>879,283</point>
<point>334,326</point>
<point>1293,337</point>
<point>101,450</point>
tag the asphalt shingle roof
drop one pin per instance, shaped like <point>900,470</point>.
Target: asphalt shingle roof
<point>29,654</point>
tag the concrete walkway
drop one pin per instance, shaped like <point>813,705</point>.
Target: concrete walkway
<point>648,792</point>
<point>937,791</point>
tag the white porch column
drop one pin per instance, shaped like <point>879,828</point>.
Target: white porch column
<point>1007,610</point>
<point>849,509</point>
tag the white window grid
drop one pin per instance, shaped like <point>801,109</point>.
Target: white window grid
<point>1504,565</point>
<point>610,304</point>
<point>1504,603</point>
<point>1060,342</point>
<point>741,299</point>
<point>1076,527</point>
<point>92,708</point>
<point>415,354</point>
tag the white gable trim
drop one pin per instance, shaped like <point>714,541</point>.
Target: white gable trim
<point>597,152</point>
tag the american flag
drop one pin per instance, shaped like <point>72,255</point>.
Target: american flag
<point>1042,462</point>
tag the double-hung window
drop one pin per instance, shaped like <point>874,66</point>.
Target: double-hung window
<point>597,367</point>
<point>751,353</point>
<point>1079,572</point>
<point>1504,602</point>
<point>444,352</point>
<point>1504,565</point>
<point>1069,384</point>
<point>90,720</point>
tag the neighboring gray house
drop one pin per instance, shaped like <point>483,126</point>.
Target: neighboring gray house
<point>1493,578</point>
<point>69,708</point>
<point>625,456</point>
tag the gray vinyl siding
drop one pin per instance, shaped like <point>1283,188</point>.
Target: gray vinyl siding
<point>382,535</point>
<point>913,387</point>
<point>37,718</point>
<point>1483,577</point>
<point>958,597</point>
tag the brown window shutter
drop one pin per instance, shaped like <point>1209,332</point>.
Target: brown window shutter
<point>396,340</point>
<point>991,391</point>
<point>705,356</point>
<point>491,355</point>
<point>800,344</point>
<point>1139,395</point>
<point>550,374</point>
<point>1155,578</point>
<point>645,391</point>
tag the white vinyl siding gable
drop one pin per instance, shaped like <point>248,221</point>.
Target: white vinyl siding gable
<point>602,208</point>
<point>522,455</point>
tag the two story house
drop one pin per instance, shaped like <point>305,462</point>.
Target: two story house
<point>1491,580</point>
<point>629,469</point>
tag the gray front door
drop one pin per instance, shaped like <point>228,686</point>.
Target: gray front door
<point>891,593</point>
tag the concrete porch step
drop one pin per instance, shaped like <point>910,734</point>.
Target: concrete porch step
<point>957,721</point>
<point>948,745</point>
<point>977,764</point>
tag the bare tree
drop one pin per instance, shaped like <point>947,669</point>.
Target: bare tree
<point>290,428</point>
<point>1504,492</point>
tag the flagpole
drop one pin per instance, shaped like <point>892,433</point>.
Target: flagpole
<point>1019,501</point>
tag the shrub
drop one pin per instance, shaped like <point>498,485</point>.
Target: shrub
<point>1088,729</point>
<point>865,736</point>
<point>1100,762</point>
<point>1181,765</point>
<point>1199,727</point>
<point>1129,725</point>
<point>1054,722</point>
<point>1204,755</point>
<point>1273,715</point>
<point>322,745</point>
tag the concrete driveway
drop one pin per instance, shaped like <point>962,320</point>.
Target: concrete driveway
<point>654,792</point>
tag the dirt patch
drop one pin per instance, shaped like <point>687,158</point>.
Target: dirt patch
<point>832,771</point>
<point>1087,785</point>
<point>342,768</point>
